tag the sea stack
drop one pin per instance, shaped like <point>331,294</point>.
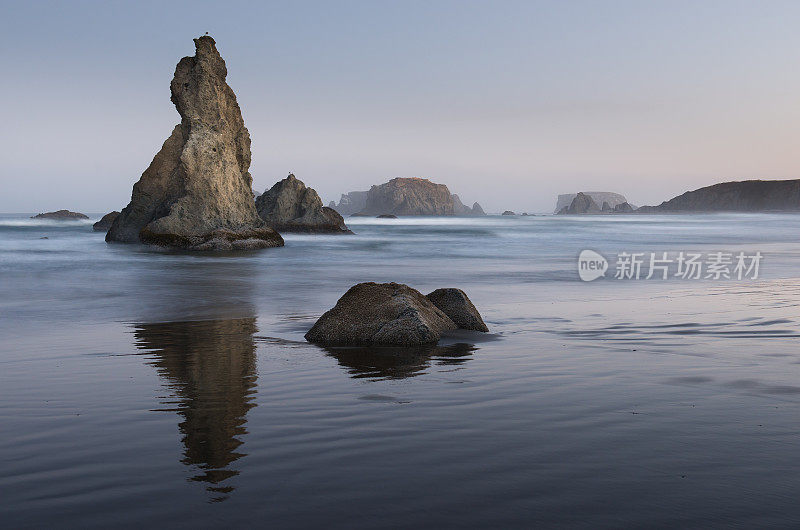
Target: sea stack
<point>291,206</point>
<point>197,193</point>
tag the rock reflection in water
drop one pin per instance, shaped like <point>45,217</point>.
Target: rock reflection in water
<point>398,363</point>
<point>210,366</point>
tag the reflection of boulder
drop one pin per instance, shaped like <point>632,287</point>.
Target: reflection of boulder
<point>210,368</point>
<point>398,363</point>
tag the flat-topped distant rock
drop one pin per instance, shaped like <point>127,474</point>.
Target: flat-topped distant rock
<point>405,196</point>
<point>105,222</point>
<point>61,215</point>
<point>291,206</point>
<point>509,212</point>
<point>599,197</point>
<point>743,196</point>
<point>197,193</point>
<point>393,314</point>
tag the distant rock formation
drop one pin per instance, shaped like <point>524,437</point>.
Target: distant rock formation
<point>743,196</point>
<point>290,206</point>
<point>509,212</point>
<point>61,215</point>
<point>105,223</point>
<point>599,197</point>
<point>623,208</point>
<point>350,203</point>
<point>393,314</point>
<point>197,193</point>
<point>581,204</point>
<point>405,196</point>
<point>409,196</point>
<point>460,208</point>
<point>386,216</point>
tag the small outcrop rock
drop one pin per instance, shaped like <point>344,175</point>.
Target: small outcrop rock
<point>581,204</point>
<point>381,313</point>
<point>460,208</point>
<point>386,216</point>
<point>509,212</point>
<point>105,222</point>
<point>291,206</point>
<point>61,215</point>
<point>456,304</point>
<point>197,192</point>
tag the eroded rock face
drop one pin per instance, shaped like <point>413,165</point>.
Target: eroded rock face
<point>197,193</point>
<point>290,206</point>
<point>105,223</point>
<point>623,208</point>
<point>456,304</point>
<point>581,204</point>
<point>381,313</point>
<point>61,215</point>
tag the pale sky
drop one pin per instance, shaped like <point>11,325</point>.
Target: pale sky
<point>508,103</point>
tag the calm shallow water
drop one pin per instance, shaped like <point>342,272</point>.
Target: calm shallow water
<point>145,387</point>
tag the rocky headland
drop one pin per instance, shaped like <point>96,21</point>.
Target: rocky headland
<point>291,206</point>
<point>742,196</point>
<point>61,215</point>
<point>197,192</point>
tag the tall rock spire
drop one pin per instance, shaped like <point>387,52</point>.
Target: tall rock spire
<point>197,193</point>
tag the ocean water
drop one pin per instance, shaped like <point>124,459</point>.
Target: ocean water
<point>145,387</point>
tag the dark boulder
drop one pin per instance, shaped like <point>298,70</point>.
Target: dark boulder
<point>105,223</point>
<point>456,304</point>
<point>381,313</point>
